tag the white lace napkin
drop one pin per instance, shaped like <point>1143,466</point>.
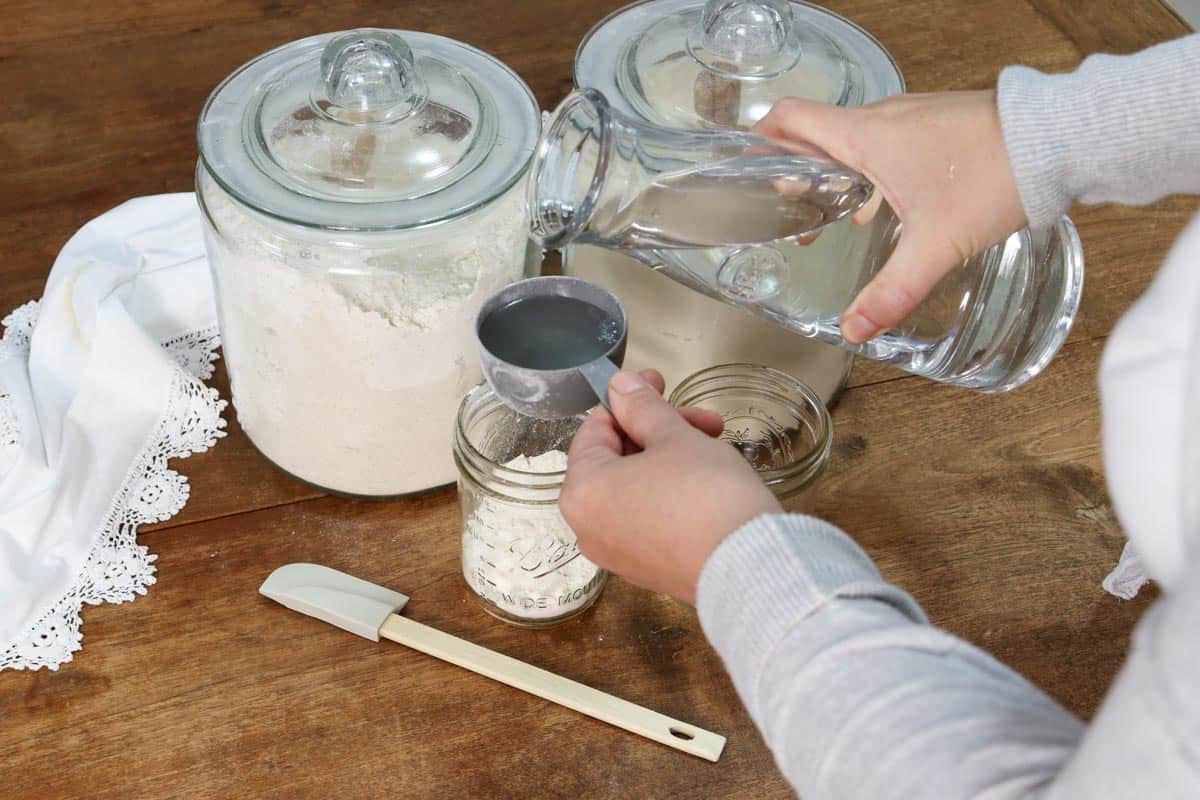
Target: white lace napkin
<point>101,382</point>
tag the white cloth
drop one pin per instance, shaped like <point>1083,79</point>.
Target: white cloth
<point>1124,129</point>
<point>100,383</point>
<point>1128,576</point>
<point>1150,397</point>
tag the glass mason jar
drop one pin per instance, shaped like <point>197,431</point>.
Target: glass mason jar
<point>777,423</point>
<point>519,556</point>
<point>360,204</point>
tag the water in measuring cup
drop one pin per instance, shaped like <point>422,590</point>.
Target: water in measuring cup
<point>548,332</point>
<point>735,202</point>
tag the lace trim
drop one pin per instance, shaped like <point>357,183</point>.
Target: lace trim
<point>18,328</point>
<point>118,568</point>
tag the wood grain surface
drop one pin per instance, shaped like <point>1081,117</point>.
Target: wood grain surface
<point>992,511</point>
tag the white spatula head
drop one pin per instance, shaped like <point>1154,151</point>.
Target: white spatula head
<point>335,597</point>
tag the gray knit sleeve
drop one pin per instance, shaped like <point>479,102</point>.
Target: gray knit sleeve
<point>1120,129</point>
<point>855,693</point>
<point>858,696</point>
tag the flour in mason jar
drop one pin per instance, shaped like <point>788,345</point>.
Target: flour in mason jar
<point>522,557</point>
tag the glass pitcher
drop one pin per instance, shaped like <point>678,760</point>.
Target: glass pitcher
<point>722,64</point>
<point>602,177</point>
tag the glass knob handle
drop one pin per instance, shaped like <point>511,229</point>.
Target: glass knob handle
<point>746,38</point>
<point>370,72</point>
<point>753,274</point>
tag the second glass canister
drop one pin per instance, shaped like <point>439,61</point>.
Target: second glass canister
<point>658,62</point>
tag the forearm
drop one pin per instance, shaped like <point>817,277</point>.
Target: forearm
<point>855,694</point>
<point>1123,129</point>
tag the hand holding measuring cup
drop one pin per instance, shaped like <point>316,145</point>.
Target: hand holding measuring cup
<point>650,493</point>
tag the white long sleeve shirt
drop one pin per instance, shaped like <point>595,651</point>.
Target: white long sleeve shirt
<point>856,694</point>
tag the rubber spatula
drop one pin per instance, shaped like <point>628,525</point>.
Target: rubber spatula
<point>371,612</point>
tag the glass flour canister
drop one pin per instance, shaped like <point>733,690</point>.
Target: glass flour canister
<point>778,424</point>
<point>362,195</point>
<point>519,556</point>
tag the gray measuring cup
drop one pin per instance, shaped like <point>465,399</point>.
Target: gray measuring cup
<point>553,393</point>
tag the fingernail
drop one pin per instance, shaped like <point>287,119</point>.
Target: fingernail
<point>626,382</point>
<point>857,329</point>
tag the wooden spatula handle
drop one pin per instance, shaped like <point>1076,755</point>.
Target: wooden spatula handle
<point>555,688</point>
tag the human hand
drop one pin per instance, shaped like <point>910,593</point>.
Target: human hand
<point>651,493</point>
<point>940,162</point>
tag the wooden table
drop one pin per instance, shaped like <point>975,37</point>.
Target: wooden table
<point>992,511</point>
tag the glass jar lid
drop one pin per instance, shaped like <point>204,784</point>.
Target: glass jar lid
<point>369,130</point>
<point>724,63</point>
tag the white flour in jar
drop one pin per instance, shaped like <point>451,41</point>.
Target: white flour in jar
<point>348,353</point>
<point>523,557</point>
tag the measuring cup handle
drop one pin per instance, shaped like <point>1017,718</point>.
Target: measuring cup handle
<point>598,373</point>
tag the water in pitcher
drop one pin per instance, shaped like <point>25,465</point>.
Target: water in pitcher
<point>989,324</point>
<point>738,201</point>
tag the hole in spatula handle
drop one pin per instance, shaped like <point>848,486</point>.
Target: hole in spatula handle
<point>680,733</point>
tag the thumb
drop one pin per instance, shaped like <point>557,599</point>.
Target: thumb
<point>909,276</point>
<point>641,411</point>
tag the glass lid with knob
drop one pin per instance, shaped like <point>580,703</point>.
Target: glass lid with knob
<point>369,130</point>
<point>723,63</point>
